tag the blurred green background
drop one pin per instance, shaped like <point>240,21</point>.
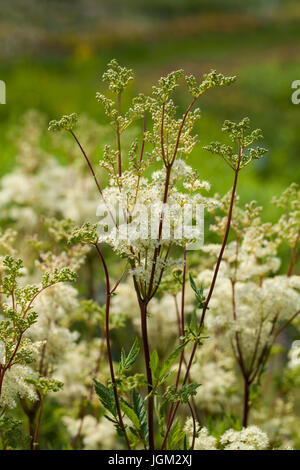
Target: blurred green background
<point>53,54</point>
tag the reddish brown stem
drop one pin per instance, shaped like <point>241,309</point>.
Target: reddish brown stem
<point>143,141</point>
<point>157,249</point>
<point>119,138</point>
<point>181,129</point>
<point>293,256</point>
<point>181,329</point>
<point>34,441</point>
<point>194,426</point>
<point>212,286</point>
<point>88,162</point>
<point>246,402</point>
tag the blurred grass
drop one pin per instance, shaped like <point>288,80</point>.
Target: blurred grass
<point>263,53</point>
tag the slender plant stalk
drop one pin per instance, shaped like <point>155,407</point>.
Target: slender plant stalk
<point>119,137</point>
<point>212,286</point>
<point>143,311</point>
<point>1,377</point>
<point>88,162</point>
<point>194,426</point>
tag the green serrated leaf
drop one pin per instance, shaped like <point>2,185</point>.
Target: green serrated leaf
<point>193,285</point>
<point>107,398</point>
<point>164,378</point>
<point>127,361</point>
<point>130,413</point>
<point>140,410</point>
<point>175,436</point>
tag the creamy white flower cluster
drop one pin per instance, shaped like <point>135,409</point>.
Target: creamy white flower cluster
<point>250,438</point>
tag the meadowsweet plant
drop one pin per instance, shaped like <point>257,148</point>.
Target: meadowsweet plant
<point>119,327</point>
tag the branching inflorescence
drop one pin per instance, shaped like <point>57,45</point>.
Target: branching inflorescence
<point>209,316</point>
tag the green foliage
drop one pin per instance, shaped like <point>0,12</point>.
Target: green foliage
<point>46,384</point>
<point>117,77</point>
<point>11,434</point>
<point>67,123</point>
<point>86,234</point>
<point>92,314</point>
<point>289,223</point>
<point>106,396</point>
<point>13,271</point>
<point>173,282</point>
<point>25,294</point>
<point>136,413</point>
<point>21,323</point>
<point>109,158</point>
<point>176,437</point>
<point>58,275</point>
<point>217,427</point>
<point>127,361</point>
<point>237,133</point>
<point>161,373</point>
<point>140,411</point>
<point>129,412</point>
<point>127,383</point>
<point>166,86</point>
<point>59,229</point>
<point>200,298</point>
<point>193,331</point>
<point>16,345</point>
<point>171,359</point>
